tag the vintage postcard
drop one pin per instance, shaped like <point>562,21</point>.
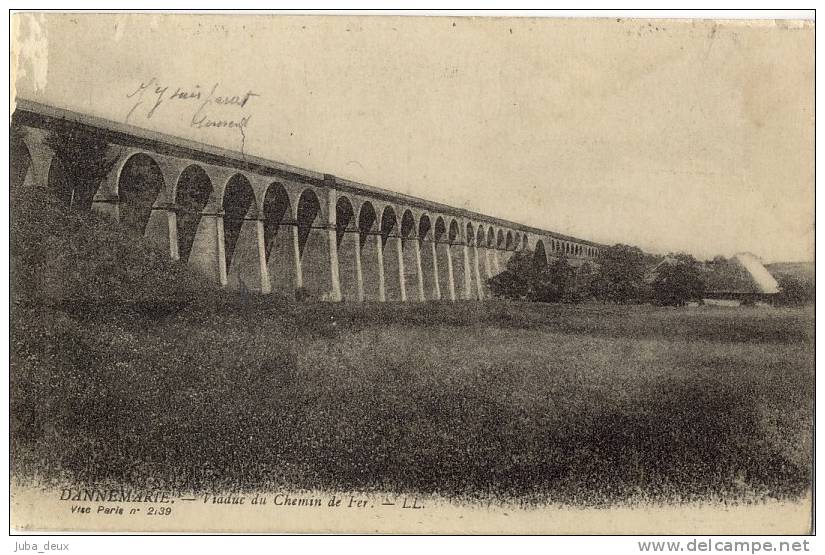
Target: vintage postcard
<point>411,274</point>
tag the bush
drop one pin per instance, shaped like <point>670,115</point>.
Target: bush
<point>68,257</point>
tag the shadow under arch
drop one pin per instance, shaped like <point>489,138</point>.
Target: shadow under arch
<point>238,204</point>
<point>458,262</point>
<point>442,244</point>
<point>409,248</point>
<point>20,161</point>
<point>347,244</point>
<point>139,185</point>
<point>192,193</point>
<point>428,258</point>
<point>278,239</point>
<point>394,289</point>
<point>313,246</point>
<point>368,241</point>
<point>539,255</point>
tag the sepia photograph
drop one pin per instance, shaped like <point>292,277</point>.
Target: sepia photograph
<point>404,273</point>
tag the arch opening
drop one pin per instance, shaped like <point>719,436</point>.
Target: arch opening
<point>453,235</point>
<point>346,236</point>
<point>309,208</point>
<point>280,257</point>
<point>366,222</point>
<point>369,240</point>
<point>139,185</point>
<point>238,204</point>
<point>313,246</point>
<point>391,243</point>
<point>388,222</point>
<point>409,244</point>
<point>441,239</point>
<point>440,229</point>
<point>491,238</point>
<point>407,225</point>
<point>424,228</point>
<point>539,255</point>
<point>344,214</point>
<point>192,193</point>
<point>20,160</point>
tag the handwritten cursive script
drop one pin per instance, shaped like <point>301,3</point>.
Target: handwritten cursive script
<point>211,110</point>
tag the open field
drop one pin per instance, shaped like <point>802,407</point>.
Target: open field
<point>587,405</point>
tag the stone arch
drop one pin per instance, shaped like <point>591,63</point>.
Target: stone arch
<point>347,243</point>
<point>238,204</point>
<point>442,243</point>
<point>439,229</point>
<point>508,241</point>
<point>524,242</point>
<point>425,228</point>
<point>60,184</point>
<point>475,236</point>
<point>491,260</point>
<point>455,245</point>
<point>192,193</point>
<point>20,161</point>
<point>408,225</point>
<point>369,241</point>
<point>390,249</point>
<point>453,234</point>
<point>410,246</point>
<point>278,246</point>
<point>484,270</point>
<point>499,255</point>
<point>389,222</point>
<point>429,269</point>
<point>539,255</point>
<point>313,246</point>
<point>139,187</point>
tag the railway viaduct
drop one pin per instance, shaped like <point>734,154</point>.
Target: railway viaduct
<point>254,224</point>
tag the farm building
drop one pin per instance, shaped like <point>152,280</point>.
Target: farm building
<point>740,279</point>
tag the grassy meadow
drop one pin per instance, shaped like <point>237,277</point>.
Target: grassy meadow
<point>549,403</point>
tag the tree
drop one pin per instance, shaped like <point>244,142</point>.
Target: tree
<point>794,291</point>
<point>620,276</point>
<point>517,280</point>
<point>85,159</point>
<point>583,278</point>
<point>528,277</point>
<point>554,282</point>
<point>678,280</point>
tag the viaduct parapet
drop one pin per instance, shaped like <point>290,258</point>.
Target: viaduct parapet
<point>254,224</point>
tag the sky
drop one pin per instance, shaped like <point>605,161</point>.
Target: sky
<point>671,135</point>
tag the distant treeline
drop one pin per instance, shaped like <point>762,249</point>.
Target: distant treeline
<point>625,274</point>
